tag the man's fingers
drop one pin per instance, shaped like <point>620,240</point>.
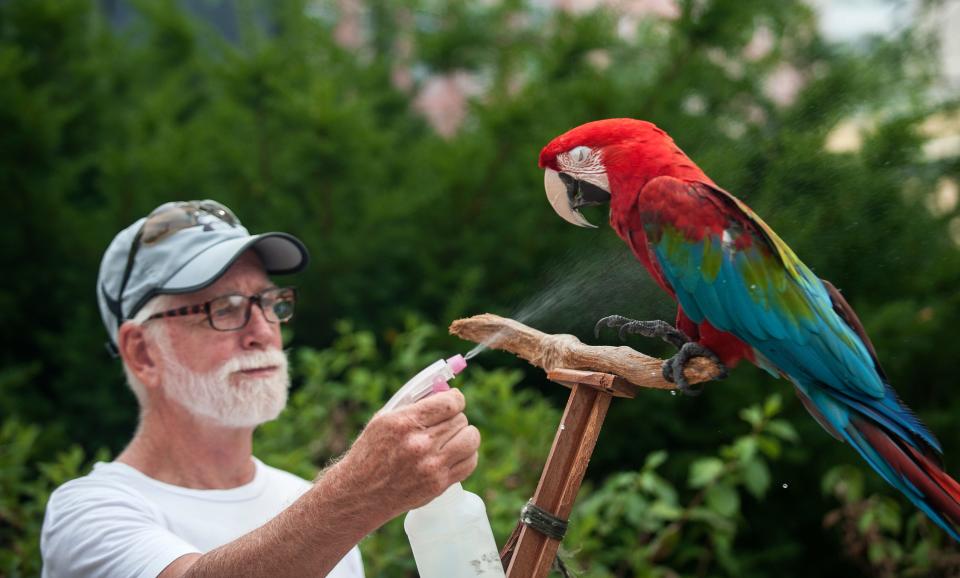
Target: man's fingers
<point>463,443</point>
<point>438,407</point>
<point>443,432</point>
<point>462,469</point>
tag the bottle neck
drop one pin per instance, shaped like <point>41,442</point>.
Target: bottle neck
<point>448,495</point>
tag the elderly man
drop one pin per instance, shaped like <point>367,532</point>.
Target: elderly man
<point>186,298</point>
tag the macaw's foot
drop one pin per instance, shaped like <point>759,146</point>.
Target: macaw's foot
<point>673,367</point>
<point>657,328</point>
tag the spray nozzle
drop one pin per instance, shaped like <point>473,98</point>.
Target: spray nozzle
<point>432,379</point>
<point>457,364</point>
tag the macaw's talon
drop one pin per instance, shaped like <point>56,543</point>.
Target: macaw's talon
<point>673,367</point>
<point>657,328</point>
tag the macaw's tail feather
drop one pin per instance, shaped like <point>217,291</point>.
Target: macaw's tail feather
<point>935,471</point>
<point>908,458</point>
<point>909,470</point>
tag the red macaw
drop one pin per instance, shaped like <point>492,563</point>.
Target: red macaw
<point>742,293</point>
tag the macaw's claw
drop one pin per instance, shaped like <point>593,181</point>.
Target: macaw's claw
<point>673,367</point>
<point>658,328</point>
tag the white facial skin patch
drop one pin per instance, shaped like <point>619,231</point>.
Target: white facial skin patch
<point>585,164</point>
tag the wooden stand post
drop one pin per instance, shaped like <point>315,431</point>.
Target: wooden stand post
<point>566,465</point>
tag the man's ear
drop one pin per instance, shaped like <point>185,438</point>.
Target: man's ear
<point>139,354</point>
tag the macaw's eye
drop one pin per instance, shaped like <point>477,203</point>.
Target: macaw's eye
<point>580,155</point>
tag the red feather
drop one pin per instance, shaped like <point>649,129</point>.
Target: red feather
<point>940,490</point>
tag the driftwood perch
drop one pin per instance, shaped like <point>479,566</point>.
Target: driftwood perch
<point>566,351</point>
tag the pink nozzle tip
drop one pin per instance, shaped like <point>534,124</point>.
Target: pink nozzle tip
<point>457,364</point>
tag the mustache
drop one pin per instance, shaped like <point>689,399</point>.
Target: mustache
<point>256,360</point>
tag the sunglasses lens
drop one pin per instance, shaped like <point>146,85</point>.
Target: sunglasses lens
<point>161,225</point>
<point>219,211</point>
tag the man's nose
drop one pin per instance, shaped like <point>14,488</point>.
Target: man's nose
<point>260,333</point>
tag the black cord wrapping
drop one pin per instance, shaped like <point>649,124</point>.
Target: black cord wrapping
<point>543,521</point>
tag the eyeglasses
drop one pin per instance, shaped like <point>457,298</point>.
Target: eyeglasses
<point>165,221</point>
<point>232,312</point>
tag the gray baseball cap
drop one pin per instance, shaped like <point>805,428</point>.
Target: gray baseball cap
<point>181,247</point>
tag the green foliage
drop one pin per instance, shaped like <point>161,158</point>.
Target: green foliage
<point>881,536</point>
<point>639,524</point>
<point>25,486</point>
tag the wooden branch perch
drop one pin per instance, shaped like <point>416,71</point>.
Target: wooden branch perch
<point>566,351</point>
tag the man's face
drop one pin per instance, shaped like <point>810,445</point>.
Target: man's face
<point>238,378</point>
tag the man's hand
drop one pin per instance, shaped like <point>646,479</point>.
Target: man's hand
<point>406,457</point>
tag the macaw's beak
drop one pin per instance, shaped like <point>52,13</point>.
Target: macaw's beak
<point>566,195</point>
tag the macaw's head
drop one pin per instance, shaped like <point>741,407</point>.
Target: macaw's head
<point>589,165</point>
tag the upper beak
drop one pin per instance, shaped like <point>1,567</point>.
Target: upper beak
<point>565,196</point>
<point>558,193</point>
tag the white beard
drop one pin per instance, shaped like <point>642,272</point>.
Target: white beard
<point>247,402</point>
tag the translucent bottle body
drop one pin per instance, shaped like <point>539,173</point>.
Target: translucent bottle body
<point>451,537</point>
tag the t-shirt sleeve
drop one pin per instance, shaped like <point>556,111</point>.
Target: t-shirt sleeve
<point>101,529</point>
<point>355,561</point>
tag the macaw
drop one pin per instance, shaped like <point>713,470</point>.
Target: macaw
<point>742,293</point>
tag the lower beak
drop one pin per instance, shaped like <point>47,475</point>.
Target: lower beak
<point>561,197</point>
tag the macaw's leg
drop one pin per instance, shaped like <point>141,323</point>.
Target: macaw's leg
<point>673,367</point>
<point>658,328</point>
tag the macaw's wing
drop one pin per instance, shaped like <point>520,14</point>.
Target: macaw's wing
<point>849,316</point>
<point>891,403</point>
<point>729,268</point>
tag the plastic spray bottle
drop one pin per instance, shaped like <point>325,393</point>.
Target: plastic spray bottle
<point>450,536</point>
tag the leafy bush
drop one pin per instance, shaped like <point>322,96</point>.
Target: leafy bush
<point>637,523</point>
<point>25,487</point>
<point>883,538</point>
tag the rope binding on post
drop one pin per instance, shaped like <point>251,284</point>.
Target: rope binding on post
<point>543,521</point>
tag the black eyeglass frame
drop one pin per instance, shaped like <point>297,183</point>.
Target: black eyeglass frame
<point>204,308</point>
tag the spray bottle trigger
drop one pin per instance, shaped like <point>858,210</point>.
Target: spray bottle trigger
<point>439,384</point>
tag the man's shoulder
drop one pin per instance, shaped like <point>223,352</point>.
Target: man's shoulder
<point>100,524</point>
<point>107,482</point>
<point>104,477</point>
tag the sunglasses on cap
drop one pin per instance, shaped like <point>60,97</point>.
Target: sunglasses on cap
<point>163,222</point>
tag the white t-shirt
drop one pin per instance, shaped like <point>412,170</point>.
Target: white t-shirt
<point>117,522</point>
